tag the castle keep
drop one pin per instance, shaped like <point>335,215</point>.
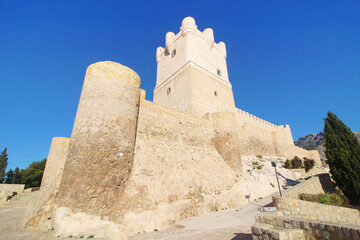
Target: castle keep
<point>132,165</point>
<point>192,73</point>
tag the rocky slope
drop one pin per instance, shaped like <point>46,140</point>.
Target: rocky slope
<point>314,141</point>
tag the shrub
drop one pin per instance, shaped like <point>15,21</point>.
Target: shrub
<point>287,164</point>
<point>259,167</point>
<point>308,164</point>
<point>327,198</point>
<point>296,162</point>
<point>259,156</point>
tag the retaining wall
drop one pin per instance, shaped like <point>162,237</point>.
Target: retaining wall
<point>8,189</point>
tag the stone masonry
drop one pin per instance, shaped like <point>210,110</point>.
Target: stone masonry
<point>133,165</point>
<point>101,150</point>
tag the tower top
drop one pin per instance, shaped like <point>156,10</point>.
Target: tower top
<point>199,48</point>
<point>192,74</point>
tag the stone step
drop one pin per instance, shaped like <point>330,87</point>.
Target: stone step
<point>263,231</point>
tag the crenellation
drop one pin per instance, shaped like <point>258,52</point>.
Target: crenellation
<point>252,119</point>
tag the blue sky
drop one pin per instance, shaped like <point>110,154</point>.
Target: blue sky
<point>289,61</point>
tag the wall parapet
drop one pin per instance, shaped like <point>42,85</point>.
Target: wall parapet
<point>258,121</point>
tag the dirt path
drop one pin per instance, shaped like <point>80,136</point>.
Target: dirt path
<point>230,224</point>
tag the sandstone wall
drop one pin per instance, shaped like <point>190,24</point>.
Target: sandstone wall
<point>100,155</point>
<point>170,141</point>
<point>179,170</point>
<point>55,160</point>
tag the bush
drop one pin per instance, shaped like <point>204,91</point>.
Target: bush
<point>308,164</point>
<point>259,156</point>
<point>287,164</point>
<point>296,162</point>
<point>327,198</point>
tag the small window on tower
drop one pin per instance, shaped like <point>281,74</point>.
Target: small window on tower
<point>173,53</point>
<point>215,93</point>
<point>219,72</point>
<point>169,90</point>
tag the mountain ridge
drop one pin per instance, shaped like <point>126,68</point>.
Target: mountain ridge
<point>315,141</point>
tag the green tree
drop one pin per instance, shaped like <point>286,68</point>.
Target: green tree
<point>343,154</point>
<point>9,176</point>
<point>3,164</point>
<point>32,175</point>
<point>17,177</point>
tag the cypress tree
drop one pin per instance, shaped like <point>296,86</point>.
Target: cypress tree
<point>3,164</point>
<point>343,154</point>
<point>16,178</point>
<point>9,176</point>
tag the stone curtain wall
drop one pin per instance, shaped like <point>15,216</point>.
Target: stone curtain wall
<point>170,141</point>
<point>245,117</point>
<point>178,171</point>
<point>317,211</point>
<point>100,156</point>
<point>56,159</point>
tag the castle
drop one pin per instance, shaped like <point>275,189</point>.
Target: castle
<point>133,165</point>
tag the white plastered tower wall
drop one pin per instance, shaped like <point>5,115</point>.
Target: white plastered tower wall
<point>192,73</point>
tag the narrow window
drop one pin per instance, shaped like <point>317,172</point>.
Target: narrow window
<point>168,90</point>
<point>219,72</point>
<point>173,53</point>
<point>215,93</point>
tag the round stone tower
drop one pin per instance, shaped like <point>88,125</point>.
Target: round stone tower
<point>101,149</point>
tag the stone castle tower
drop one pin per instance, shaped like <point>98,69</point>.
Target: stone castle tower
<point>192,74</point>
<point>132,165</point>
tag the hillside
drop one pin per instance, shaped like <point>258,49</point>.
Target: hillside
<point>314,141</point>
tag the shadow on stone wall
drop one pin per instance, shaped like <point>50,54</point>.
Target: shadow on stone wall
<point>326,183</point>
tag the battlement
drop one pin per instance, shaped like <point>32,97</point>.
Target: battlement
<point>191,45</point>
<point>189,27</point>
<point>245,117</point>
